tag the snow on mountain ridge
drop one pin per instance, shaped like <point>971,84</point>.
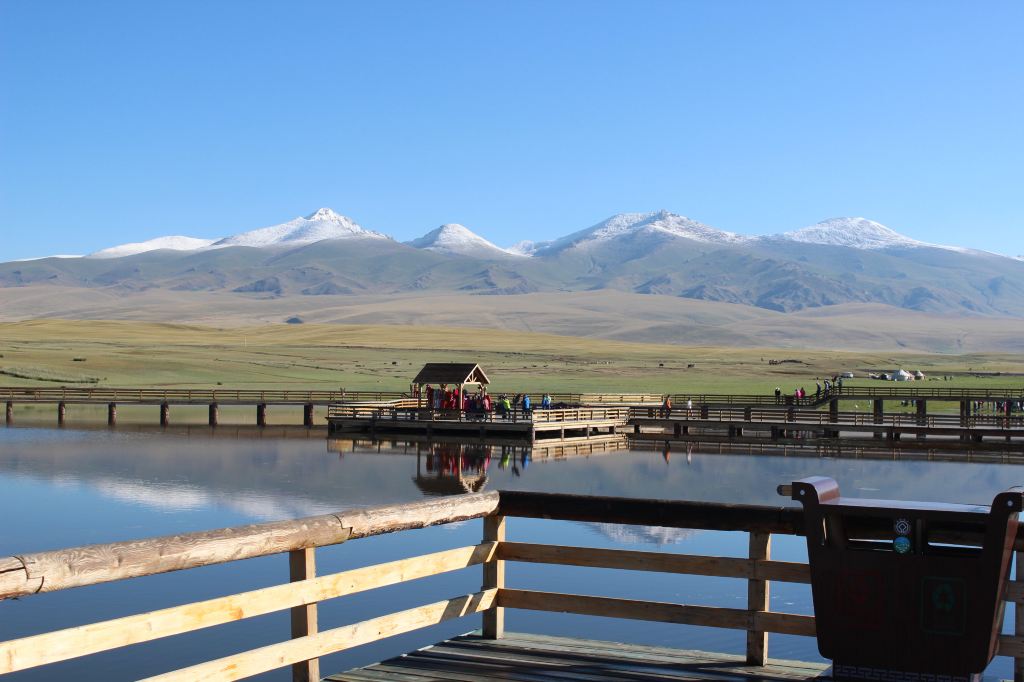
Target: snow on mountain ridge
<point>172,243</point>
<point>323,224</point>
<point>856,233</point>
<point>458,239</point>
<point>657,222</point>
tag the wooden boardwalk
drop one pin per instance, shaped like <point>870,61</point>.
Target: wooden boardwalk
<point>539,658</point>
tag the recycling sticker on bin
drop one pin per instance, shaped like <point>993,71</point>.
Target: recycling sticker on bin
<point>943,605</point>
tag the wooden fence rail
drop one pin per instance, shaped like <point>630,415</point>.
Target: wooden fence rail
<point>48,571</point>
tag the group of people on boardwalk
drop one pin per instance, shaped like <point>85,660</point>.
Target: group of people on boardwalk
<point>481,403</point>
<point>666,406</point>
<point>834,385</point>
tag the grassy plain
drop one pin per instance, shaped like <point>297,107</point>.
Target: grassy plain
<point>386,357</point>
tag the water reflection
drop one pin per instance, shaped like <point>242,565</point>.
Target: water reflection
<point>72,487</point>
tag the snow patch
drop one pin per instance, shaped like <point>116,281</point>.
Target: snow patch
<point>659,223</point>
<point>174,243</point>
<point>458,239</point>
<point>324,224</point>
<point>857,233</point>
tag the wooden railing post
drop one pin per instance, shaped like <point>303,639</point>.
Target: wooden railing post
<point>302,566</point>
<point>1018,619</point>
<point>494,577</point>
<point>757,598</point>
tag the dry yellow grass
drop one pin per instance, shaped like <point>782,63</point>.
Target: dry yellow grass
<point>387,356</point>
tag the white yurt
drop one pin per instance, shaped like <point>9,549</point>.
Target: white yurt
<point>902,375</point>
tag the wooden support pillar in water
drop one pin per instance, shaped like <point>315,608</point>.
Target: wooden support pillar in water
<point>165,414</point>
<point>111,414</point>
<point>703,411</point>
<point>833,410</point>
<point>307,415</point>
<point>922,416</point>
<point>214,414</point>
<point>62,412</point>
<point>261,414</point>
<point>878,415</point>
<point>678,429</point>
<point>10,413</point>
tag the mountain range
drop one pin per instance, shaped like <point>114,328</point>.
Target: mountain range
<point>838,262</point>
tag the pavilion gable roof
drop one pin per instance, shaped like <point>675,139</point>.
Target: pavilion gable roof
<point>451,373</point>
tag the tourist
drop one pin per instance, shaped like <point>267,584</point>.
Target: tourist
<point>778,395</point>
<point>817,390</point>
<point>689,407</point>
<point>667,406</point>
<point>526,404</point>
<point>545,402</point>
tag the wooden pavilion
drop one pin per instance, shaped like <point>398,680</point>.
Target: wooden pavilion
<point>458,374</point>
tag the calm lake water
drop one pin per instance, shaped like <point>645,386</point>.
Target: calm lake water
<point>62,488</point>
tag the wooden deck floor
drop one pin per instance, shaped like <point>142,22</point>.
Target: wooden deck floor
<point>539,658</point>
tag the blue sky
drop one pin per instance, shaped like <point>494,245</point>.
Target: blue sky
<point>122,121</point>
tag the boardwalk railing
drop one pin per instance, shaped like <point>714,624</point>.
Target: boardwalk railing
<point>198,396</point>
<point>880,392</point>
<point>407,410</point>
<point>775,415</point>
<point>50,571</point>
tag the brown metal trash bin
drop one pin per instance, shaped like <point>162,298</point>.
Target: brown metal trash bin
<point>907,590</point>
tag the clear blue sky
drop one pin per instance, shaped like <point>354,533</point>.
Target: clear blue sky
<point>122,121</point>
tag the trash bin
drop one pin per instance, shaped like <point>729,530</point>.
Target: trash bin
<point>907,590</point>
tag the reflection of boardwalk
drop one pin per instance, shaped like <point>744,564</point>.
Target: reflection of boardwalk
<point>540,658</point>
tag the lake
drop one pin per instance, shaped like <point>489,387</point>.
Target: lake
<point>66,487</point>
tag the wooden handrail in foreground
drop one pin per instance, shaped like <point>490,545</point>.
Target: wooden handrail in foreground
<point>63,569</point>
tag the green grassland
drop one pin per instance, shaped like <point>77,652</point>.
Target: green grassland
<point>382,357</point>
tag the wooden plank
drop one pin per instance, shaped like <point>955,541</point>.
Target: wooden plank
<point>302,566</point>
<point>93,564</point>
<point>685,614</point>
<point>724,567</point>
<point>541,658</point>
<point>1010,645</point>
<point>650,652</point>
<point>256,661</point>
<point>51,647</point>
<point>494,576</point>
<point>648,512</point>
<point>760,546</point>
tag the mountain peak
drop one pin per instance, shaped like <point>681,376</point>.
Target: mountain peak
<point>323,224</point>
<point>458,239</point>
<point>857,233</point>
<point>657,223</point>
<point>326,214</point>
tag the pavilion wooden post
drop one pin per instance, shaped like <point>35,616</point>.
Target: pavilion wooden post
<point>494,578</point>
<point>302,566</point>
<point>757,598</point>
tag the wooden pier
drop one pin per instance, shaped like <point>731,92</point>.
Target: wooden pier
<point>408,417</point>
<point>25,575</point>
<point>534,658</point>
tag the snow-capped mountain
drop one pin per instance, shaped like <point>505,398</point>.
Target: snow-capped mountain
<point>175,243</point>
<point>855,233</point>
<point>324,224</point>
<point>458,239</point>
<point>659,223</point>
